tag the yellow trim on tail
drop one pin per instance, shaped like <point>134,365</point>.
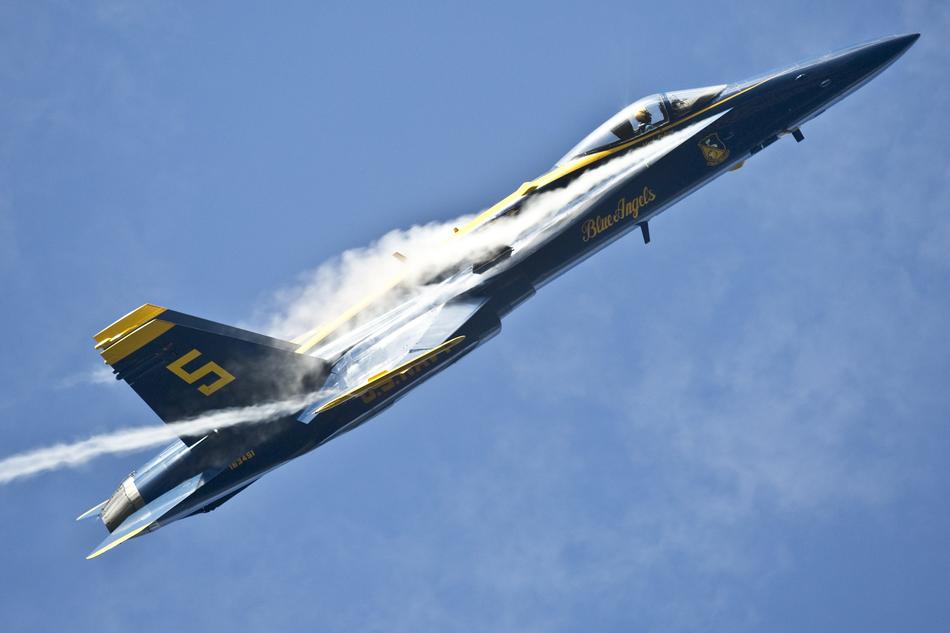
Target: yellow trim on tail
<point>135,318</point>
<point>135,341</point>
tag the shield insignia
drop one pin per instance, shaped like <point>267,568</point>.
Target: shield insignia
<point>713,149</point>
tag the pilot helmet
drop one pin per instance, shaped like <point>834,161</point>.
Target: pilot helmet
<point>643,116</point>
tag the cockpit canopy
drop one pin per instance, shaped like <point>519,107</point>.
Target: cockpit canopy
<point>642,116</point>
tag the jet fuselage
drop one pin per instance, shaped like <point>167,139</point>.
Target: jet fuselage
<point>715,129</point>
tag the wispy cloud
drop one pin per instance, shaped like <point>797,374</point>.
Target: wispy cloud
<point>98,376</point>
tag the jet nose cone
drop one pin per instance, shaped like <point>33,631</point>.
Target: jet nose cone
<point>907,40</point>
<point>883,52</point>
<point>893,47</point>
<point>847,70</point>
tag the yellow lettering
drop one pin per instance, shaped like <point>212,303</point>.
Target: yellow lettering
<point>592,227</point>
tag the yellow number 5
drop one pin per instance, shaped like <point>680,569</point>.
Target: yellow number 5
<point>211,367</point>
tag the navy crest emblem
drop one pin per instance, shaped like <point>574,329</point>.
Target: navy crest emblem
<point>713,149</point>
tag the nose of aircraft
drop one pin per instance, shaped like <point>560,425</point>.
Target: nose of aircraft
<point>878,55</point>
<point>897,44</point>
<point>806,89</point>
<point>846,70</point>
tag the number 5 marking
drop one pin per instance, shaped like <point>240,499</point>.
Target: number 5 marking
<point>211,367</point>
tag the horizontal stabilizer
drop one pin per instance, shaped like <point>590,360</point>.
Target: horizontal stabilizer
<point>145,518</point>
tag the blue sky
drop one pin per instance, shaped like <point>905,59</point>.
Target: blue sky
<point>768,452</point>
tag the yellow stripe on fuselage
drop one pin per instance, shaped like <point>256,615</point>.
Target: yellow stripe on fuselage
<point>311,338</point>
<point>584,161</point>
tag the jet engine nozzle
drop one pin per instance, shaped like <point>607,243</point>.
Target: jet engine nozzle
<point>124,501</point>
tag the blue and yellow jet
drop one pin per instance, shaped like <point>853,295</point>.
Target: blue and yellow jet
<point>292,396</point>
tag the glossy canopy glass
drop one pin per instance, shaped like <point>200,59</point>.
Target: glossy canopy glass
<point>642,116</point>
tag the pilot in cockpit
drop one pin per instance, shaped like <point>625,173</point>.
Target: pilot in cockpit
<point>644,118</point>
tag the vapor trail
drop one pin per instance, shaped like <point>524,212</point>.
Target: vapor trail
<point>336,284</point>
<point>127,440</point>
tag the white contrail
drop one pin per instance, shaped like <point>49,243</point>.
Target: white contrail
<point>334,285</point>
<point>341,282</point>
<point>541,216</point>
<point>133,439</point>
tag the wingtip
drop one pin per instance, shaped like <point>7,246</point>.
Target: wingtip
<point>109,545</point>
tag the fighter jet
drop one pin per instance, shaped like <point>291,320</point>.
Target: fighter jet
<point>296,395</point>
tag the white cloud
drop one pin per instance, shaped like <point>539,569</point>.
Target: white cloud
<point>98,376</point>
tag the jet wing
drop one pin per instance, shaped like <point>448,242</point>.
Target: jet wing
<point>381,355</point>
<point>449,319</point>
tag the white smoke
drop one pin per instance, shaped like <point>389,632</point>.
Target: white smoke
<point>128,440</point>
<point>342,281</point>
<point>372,271</point>
<point>98,376</point>
<point>375,272</point>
